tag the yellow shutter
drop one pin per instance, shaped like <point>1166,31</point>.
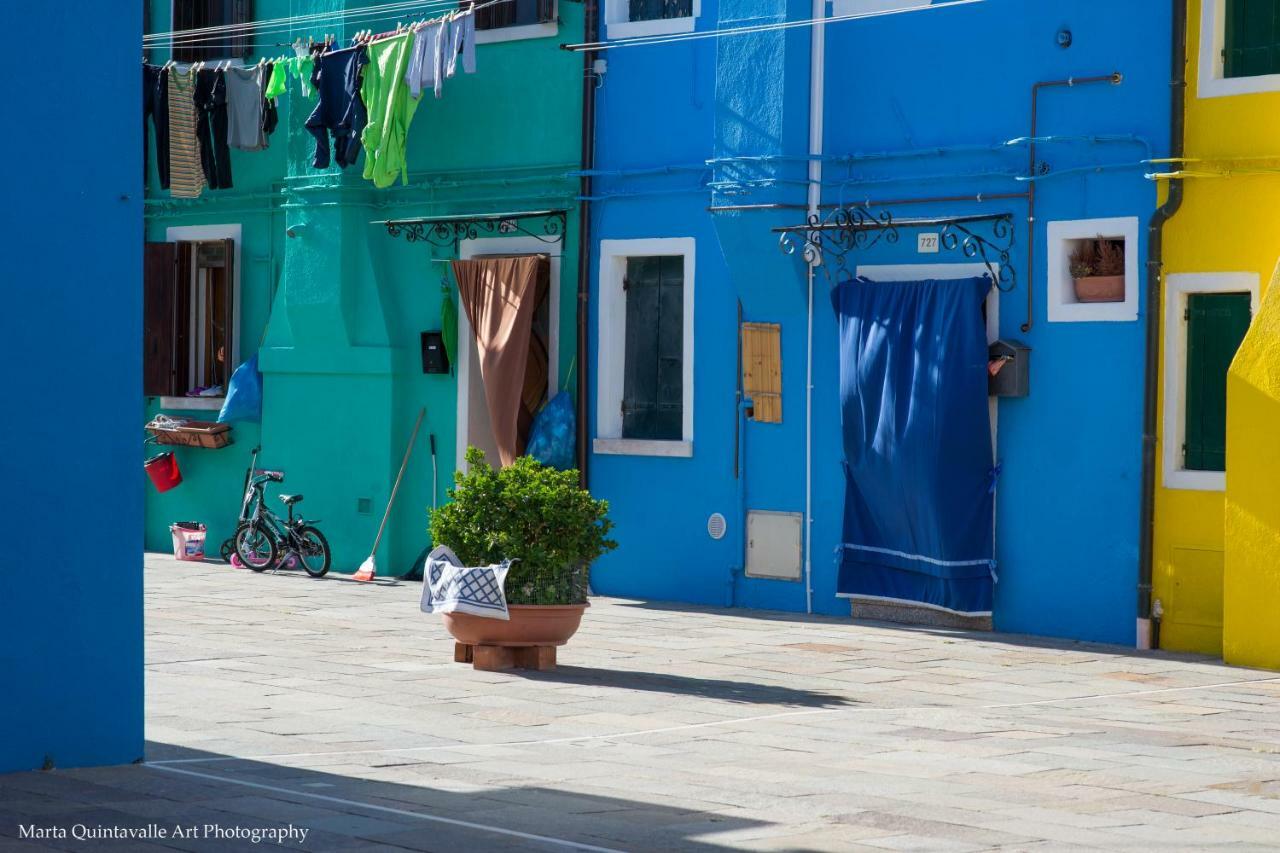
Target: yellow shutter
<point>762,369</point>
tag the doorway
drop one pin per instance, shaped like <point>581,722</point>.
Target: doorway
<point>473,426</point>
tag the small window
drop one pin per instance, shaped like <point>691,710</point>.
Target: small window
<point>199,14</point>
<point>516,13</point>
<point>659,10</point>
<point>189,314</point>
<point>1251,38</point>
<point>1216,324</point>
<point>653,377</point>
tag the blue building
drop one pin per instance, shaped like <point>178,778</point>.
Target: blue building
<point>939,142</point>
<point>70,440</point>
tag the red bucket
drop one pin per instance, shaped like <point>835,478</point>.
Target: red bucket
<point>163,471</point>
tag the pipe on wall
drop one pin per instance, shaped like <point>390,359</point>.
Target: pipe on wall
<point>590,15</point>
<point>1115,78</point>
<point>1151,371</point>
<point>817,88</point>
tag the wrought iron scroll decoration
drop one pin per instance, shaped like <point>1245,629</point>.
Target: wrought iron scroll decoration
<point>447,231</point>
<point>827,240</point>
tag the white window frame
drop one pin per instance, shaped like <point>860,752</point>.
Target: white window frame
<point>618,23</point>
<point>523,31</point>
<point>1177,287</point>
<point>612,346</point>
<point>1062,307</point>
<point>1212,81</point>
<point>198,233</point>
<point>467,250</point>
<point>839,8</point>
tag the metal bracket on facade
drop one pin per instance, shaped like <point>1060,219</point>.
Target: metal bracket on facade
<point>832,236</point>
<point>446,231</point>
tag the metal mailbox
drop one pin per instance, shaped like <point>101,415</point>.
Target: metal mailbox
<point>1009,369</point>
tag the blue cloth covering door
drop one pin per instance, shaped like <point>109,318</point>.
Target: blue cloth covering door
<point>919,481</point>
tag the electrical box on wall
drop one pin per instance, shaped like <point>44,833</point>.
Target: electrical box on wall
<point>774,541</point>
<point>434,357</point>
<point>1009,369</point>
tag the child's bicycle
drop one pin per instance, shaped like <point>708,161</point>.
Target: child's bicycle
<point>263,540</point>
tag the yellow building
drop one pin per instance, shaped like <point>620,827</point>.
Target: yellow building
<point>1216,548</point>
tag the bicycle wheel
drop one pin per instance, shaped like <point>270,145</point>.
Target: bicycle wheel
<point>255,546</point>
<point>313,551</point>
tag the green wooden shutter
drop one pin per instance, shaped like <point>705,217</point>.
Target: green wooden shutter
<point>653,372</point>
<point>1216,324</point>
<point>1251,38</point>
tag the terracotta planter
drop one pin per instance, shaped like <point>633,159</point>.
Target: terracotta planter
<point>530,625</point>
<point>1100,288</point>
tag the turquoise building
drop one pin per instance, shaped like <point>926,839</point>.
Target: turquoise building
<point>334,303</point>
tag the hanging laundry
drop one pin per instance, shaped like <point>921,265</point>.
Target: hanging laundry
<point>302,68</point>
<point>155,106</point>
<point>211,127</point>
<point>244,108</point>
<point>185,174</point>
<point>270,115</point>
<point>340,111</point>
<point>279,77</point>
<point>462,43</point>
<point>424,62</point>
<point>390,110</point>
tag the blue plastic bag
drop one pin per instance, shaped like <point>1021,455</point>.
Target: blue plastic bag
<point>551,440</point>
<point>244,394</point>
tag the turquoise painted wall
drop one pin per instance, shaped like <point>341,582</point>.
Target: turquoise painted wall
<point>342,303</point>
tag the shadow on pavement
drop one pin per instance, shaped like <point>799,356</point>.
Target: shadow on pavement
<point>747,692</point>
<point>341,810</point>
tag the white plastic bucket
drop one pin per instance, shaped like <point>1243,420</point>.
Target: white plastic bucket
<point>188,540</point>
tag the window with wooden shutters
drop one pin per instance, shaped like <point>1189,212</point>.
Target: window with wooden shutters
<point>653,365</point>
<point>1251,38</point>
<point>1216,324</point>
<point>188,316</point>
<point>513,13</point>
<point>658,10</point>
<point>199,14</point>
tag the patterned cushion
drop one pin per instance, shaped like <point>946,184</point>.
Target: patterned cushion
<point>449,586</point>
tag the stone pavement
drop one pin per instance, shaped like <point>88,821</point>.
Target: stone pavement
<point>280,703</point>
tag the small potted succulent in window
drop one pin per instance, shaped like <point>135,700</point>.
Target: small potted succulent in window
<point>1097,270</point>
<point>551,530</point>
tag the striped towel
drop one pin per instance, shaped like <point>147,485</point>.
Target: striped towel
<point>186,176</point>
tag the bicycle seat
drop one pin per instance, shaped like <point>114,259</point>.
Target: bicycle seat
<point>290,500</point>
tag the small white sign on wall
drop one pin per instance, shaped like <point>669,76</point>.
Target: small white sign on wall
<point>927,244</point>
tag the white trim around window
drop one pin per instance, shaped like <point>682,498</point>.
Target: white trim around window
<point>618,23</point>
<point>1213,82</point>
<point>612,346</point>
<point>546,29</point>
<point>1173,433</point>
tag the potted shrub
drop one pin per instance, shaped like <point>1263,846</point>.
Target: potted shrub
<point>1097,270</point>
<point>542,520</point>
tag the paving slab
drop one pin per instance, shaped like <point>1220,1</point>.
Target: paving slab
<point>279,703</point>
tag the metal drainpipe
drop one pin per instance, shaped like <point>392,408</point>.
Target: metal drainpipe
<point>1115,78</point>
<point>590,35</point>
<point>817,87</point>
<point>1155,252</point>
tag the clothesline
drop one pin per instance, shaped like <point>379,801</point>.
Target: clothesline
<point>338,16</point>
<point>366,95</point>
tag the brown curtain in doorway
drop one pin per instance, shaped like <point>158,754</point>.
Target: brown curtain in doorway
<point>500,296</point>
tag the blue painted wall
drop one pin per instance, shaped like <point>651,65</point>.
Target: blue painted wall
<point>918,87</point>
<point>70,439</point>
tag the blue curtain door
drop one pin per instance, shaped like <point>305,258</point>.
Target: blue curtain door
<point>919,478</point>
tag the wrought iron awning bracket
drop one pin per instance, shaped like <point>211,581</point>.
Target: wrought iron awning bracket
<point>827,240</point>
<point>448,231</point>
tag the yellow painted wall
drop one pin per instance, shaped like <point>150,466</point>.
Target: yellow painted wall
<point>1226,224</point>
<point>1251,595</point>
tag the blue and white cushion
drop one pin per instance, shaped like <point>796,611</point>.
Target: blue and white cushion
<point>448,586</point>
